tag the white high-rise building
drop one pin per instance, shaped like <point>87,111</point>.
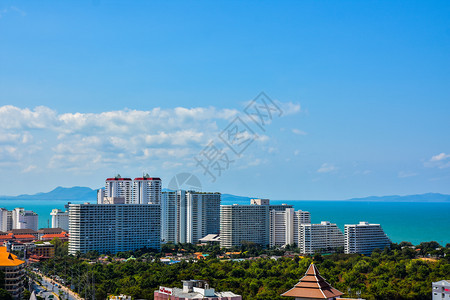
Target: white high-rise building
<point>168,216</point>
<point>147,190</point>
<point>119,187</point>
<point>112,228</point>
<point>284,226</point>
<point>324,237</point>
<point>24,219</point>
<point>281,227</point>
<point>4,220</point>
<point>60,219</point>
<point>240,224</point>
<point>100,196</point>
<point>189,216</point>
<point>363,238</point>
<point>300,217</point>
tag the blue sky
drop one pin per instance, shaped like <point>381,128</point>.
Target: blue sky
<point>93,88</point>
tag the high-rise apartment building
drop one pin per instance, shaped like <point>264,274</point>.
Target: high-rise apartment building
<point>284,226</point>
<point>4,220</point>
<point>119,187</point>
<point>363,238</point>
<point>60,219</point>
<point>168,216</point>
<point>188,216</point>
<point>112,228</point>
<point>260,222</point>
<point>240,224</point>
<point>323,237</point>
<point>147,190</point>
<point>24,219</point>
<point>300,217</point>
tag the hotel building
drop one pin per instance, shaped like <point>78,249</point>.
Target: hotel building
<point>285,226</point>
<point>259,223</point>
<point>118,187</point>
<point>112,228</point>
<point>363,238</point>
<point>14,272</point>
<point>24,219</point>
<point>241,224</point>
<point>188,216</point>
<point>193,289</point>
<point>147,190</point>
<point>60,219</point>
<point>323,237</point>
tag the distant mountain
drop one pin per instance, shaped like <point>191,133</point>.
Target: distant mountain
<point>76,193</point>
<point>81,194</point>
<point>429,197</point>
<point>228,198</point>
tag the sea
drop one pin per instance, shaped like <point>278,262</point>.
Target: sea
<point>414,222</point>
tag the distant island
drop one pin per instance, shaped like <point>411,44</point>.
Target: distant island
<point>79,193</point>
<point>428,197</point>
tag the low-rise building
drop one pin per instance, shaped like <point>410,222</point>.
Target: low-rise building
<point>14,270</point>
<point>44,250</point>
<point>441,290</point>
<point>193,289</point>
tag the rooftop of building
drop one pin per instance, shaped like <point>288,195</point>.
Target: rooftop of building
<point>22,231</point>
<point>210,238</point>
<point>55,235</point>
<point>312,286</point>
<point>148,178</point>
<point>442,282</point>
<point>50,230</point>
<point>8,259</point>
<point>195,289</point>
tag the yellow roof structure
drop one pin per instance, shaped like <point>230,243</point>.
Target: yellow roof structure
<point>8,259</point>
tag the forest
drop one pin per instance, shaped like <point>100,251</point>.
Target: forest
<point>401,272</point>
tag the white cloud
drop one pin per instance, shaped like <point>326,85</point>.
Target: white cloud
<point>298,131</point>
<point>441,161</point>
<point>406,174</point>
<point>326,168</point>
<point>42,138</point>
<point>440,157</point>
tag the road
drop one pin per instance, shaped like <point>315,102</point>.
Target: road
<point>51,287</point>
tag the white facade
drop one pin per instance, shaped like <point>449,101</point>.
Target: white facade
<point>189,216</point>
<point>24,219</point>
<point>323,237</point>
<point>441,290</point>
<point>112,228</point>
<point>363,238</point>
<point>60,219</point>
<point>281,227</point>
<point>285,226</point>
<point>100,196</point>
<point>147,190</point>
<point>168,216</point>
<point>119,187</point>
<point>244,224</point>
<point>4,220</point>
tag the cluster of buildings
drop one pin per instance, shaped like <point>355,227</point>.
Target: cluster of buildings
<point>18,218</point>
<point>280,225</point>
<point>34,244</point>
<point>131,214</point>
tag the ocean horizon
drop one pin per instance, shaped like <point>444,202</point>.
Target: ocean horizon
<point>413,222</point>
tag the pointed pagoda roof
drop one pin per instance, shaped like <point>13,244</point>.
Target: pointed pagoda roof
<point>312,286</point>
